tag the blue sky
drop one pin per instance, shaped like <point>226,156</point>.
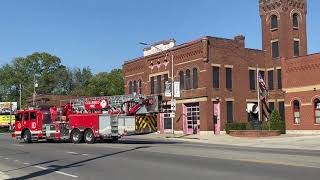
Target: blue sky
<point>102,34</point>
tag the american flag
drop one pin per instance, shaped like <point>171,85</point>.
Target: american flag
<point>262,83</point>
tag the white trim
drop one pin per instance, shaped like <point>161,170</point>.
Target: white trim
<point>216,65</point>
<point>229,99</point>
<point>206,133</point>
<point>252,100</point>
<point>228,66</point>
<point>190,61</point>
<point>134,74</point>
<point>35,132</point>
<point>305,132</point>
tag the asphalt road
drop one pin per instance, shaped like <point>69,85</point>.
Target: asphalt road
<point>139,158</point>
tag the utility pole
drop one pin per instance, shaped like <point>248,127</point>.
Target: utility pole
<point>34,89</point>
<point>20,94</point>
<point>172,94</point>
<point>258,90</point>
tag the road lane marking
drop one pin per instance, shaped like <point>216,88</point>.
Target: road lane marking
<point>16,160</point>
<point>58,172</point>
<point>6,158</point>
<point>66,174</point>
<point>85,154</point>
<point>26,163</point>
<point>70,152</point>
<point>19,145</point>
<point>40,167</point>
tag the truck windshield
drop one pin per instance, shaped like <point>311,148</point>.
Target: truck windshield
<point>46,117</point>
<point>19,117</point>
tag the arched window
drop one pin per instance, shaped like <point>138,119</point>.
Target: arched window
<point>181,78</point>
<point>274,22</point>
<point>130,87</point>
<point>296,111</point>
<point>135,86</point>
<point>188,79</point>
<point>195,78</point>
<point>295,20</point>
<point>317,110</point>
<point>140,87</point>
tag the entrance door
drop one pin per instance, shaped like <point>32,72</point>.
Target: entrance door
<point>166,120</point>
<point>192,120</point>
<point>216,117</point>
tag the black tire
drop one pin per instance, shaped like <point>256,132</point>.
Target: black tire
<point>89,137</point>
<point>112,140</point>
<point>76,136</point>
<point>50,140</point>
<point>26,137</point>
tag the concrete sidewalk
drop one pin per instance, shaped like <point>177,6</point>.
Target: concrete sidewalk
<point>307,142</point>
<point>3,176</point>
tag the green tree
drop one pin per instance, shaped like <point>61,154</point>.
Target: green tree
<point>276,123</point>
<point>80,80</point>
<point>52,76</point>
<point>106,84</point>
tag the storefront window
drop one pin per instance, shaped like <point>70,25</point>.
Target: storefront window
<point>317,110</point>
<point>296,111</point>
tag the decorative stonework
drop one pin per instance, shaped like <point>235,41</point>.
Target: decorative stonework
<point>298,67</point>
<point>267,6</point>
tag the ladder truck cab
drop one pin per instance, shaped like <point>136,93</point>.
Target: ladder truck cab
<point>89,119</point>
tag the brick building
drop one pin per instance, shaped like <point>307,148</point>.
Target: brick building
<point>218,76</point>
<point>302,87</point>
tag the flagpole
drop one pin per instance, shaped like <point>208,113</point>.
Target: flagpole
<point>258,91</point>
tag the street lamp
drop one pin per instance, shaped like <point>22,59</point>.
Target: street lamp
<point>35,85</point>
<point>172,80</point>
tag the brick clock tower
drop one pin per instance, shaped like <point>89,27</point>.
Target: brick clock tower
<point>283,28</point>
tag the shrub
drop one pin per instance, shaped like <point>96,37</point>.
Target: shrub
<point>238,126</point>
<point>276,123</point>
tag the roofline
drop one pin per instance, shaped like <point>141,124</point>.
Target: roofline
<point>168,50</point>
<point>298,57</point>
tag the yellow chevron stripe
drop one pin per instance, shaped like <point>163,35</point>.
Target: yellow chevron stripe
<point>143,122</point>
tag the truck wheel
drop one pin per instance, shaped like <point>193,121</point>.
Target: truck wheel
<point>112,140</point>
<point>89,137</point>
<point>76,136</point>
<point>26,137</point>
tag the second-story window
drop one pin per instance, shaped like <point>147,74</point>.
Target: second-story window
<point>295,20</point>
<point>229,78</point>
<point>152,85</point>
<point>275,49</point>
<point>140,86</point>
<point>181,78</point>
<point>216,77</point>
<point>296,48</point>
<point>279,78</point>
<point>274,22</point>
<point>159,89</point>
<point>270,80</point>
<point>135,86</point>
<point>252,79</point>
<point>195,78</point>
<point>188,79</point>
<point>130,87</point>
<point>166,79</point>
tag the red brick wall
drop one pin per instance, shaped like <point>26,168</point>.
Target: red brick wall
<point>301,73</point>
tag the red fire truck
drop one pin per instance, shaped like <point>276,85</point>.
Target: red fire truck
<point>89,119</point>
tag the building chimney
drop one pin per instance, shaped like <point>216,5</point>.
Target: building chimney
<point>240,39</point>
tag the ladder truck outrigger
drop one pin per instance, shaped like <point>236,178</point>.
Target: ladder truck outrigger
<point>89,119</point>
